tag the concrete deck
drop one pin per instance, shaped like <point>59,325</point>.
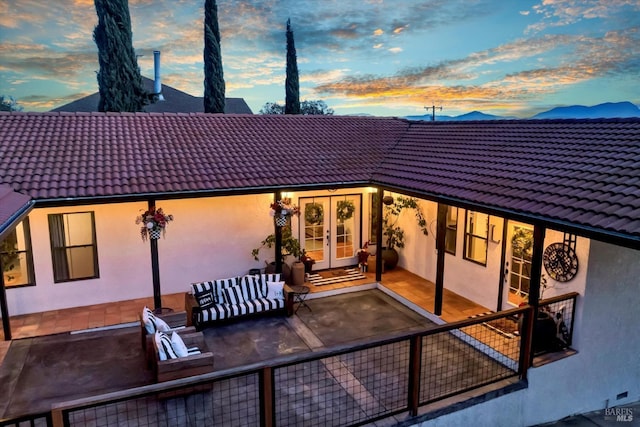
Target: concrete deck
<point>40,371</point>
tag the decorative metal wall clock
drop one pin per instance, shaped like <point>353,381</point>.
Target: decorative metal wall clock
<point>560,260</point>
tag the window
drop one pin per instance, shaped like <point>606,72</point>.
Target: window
<point>476,235</point>
<point>16,257</point>
<point>73,246</point>
<point>451,231</point>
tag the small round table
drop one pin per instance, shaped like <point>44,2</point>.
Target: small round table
<point>300,293</point>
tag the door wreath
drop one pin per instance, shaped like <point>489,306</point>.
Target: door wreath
<point>314,214</point>
<point>345,211</point>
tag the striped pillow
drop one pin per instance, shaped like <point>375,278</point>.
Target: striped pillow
<point>165,349</point>
<point>251,287</point>
<point>233,295</point>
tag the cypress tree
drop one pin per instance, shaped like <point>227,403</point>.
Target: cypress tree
<point>119,80</point>
<point>213,75</point>
<point>292,84</point>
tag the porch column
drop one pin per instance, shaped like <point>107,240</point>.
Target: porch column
<point>4,308</point>
<point>378,208</point>
<point>534,284</point>
<point>536,265</point>
<point>155,268</point>
<point>441,232</point>
<point>278,235</point>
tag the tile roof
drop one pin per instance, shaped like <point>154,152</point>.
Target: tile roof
<point>175,101</point>
<point>12,205</point>
<point>585,172</point>
<point>76,155</point>
<point>581,172</point>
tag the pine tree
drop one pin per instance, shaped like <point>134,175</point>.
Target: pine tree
<point>292,84</point>
<point>213,76</point>
<point>119,80</point>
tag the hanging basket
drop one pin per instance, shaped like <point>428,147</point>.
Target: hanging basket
<point>281,221</point>
<point>155,233</point>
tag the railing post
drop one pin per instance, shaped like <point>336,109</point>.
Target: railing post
<point>267,413</point>
<point>415,370</point>
<point>59,418</point>
<point>525,342</point>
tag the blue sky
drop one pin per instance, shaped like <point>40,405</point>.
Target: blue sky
<point>379,57</point>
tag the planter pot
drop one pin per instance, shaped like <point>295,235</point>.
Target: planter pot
<point>297,274</point>
<point>389,258</point>
<point>155,234</point>
<point>308,266</point>
<point>286,270</point>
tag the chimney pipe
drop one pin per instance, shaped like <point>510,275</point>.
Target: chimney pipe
<point>157,83</point>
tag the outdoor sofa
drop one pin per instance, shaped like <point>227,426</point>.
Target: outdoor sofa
<point>213,302</point>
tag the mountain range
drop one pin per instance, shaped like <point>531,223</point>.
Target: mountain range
<point>606,110</point>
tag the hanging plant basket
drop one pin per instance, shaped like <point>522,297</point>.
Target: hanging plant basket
<point>345,210</point>
<point>281,220</point>
<point>314,214</point>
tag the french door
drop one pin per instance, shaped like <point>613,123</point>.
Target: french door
<point>330,229</point>
<point>518,263</point>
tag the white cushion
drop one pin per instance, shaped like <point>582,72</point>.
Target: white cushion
<point>165,349</point>
<point>178,345</point>
<point>161,325</point>
<point>275,290</point>
<point>148,320</point>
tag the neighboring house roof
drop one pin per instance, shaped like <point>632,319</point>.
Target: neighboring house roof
<point>13,207</point>
<point>175,101</point>
<point>575,173</point>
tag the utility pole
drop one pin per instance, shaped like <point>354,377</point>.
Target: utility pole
<point>433,111</point>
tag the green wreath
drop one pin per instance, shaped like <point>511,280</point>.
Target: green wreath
<point>346,208</point>
<point>314,214</point>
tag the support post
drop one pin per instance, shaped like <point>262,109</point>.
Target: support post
<point>155,269</point>
<point>378,209</point>
<point>4,308</point>
<point>534,285</point>
<point>441,232</point>
<point>278,234</point>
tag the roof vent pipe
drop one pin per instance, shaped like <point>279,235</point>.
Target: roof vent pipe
<point>157,83</point>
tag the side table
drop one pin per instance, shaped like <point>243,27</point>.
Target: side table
<point>300,293</point>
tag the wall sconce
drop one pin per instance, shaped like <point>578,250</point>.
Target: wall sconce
<point>387,200</point>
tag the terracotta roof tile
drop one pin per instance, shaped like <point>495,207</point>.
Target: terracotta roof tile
<point>584,171</point>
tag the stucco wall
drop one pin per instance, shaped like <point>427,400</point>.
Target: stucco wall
<point>605,366</point>
<point>209,238</point>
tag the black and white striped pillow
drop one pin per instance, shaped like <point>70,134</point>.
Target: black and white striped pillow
<point>251,288</point>
<point>233,295</point>
<point>165,349</point>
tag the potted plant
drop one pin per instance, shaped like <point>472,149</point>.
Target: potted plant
<point>307,261</point>
<point>393,233</point>
<point>154,223</point>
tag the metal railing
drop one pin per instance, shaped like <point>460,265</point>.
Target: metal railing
<point>343,385</point>
<point>553,330</point>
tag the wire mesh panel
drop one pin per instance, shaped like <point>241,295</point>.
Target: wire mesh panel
<point>233,401</point>
<point>463,359</point>
<point>553,324</point>
<point>27,421</point>
<point>343,390</point>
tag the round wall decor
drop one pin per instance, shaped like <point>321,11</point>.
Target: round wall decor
<point>560,261</point>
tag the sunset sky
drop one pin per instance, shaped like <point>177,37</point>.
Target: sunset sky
<point>379,57</point>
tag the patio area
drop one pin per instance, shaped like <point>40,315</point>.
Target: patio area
<point>414,289</point>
